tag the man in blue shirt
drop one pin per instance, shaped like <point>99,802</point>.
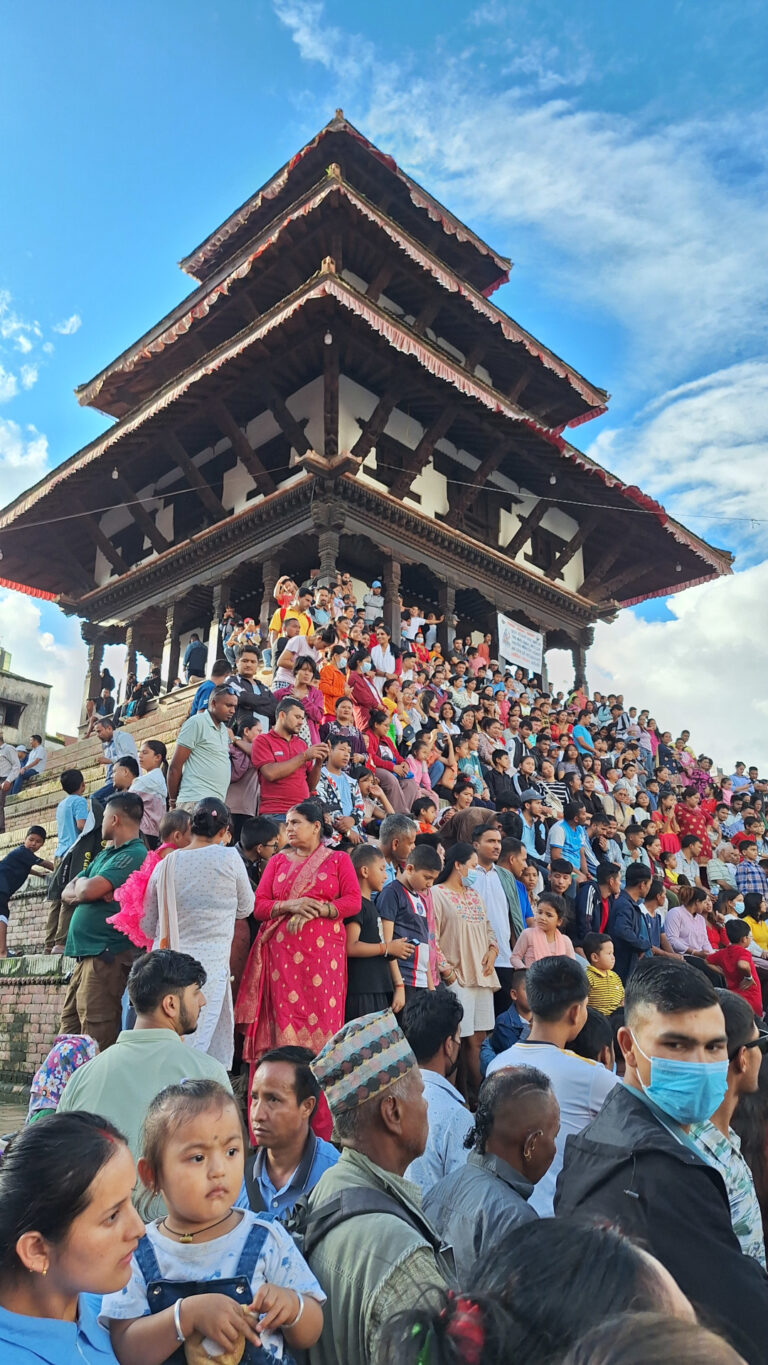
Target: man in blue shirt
<point>220,674</point>
<point>195,658</point>
<point>568,838</point>
<point>115,744</point>
<point>289,1158</point>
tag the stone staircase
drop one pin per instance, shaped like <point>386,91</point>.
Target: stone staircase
<point>32,985</point>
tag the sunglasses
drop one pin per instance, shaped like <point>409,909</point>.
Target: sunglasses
<point>761,1041</point>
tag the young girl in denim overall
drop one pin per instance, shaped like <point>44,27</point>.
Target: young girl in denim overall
<point>208,1281</point>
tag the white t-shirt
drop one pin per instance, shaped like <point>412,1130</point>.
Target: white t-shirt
<point>580,1087</point>
<point>385,660</point>
<point>491,892</point>
<point>279,1262</point>
<point>299,648</point>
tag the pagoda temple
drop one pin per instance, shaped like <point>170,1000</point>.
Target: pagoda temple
<point>339,391</point>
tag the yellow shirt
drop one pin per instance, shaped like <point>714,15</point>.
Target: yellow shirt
<point>293,613</point>
<point>759,929</point>
<point>606,990</point>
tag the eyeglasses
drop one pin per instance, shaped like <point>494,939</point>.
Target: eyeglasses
<point>761,1041</point>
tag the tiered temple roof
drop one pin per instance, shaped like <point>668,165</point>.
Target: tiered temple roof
<point>339,386</point>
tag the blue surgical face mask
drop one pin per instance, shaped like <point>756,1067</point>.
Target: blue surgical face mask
<point>465,881</point>
<point>687,1092</point>
<point>367,666</point>
<point>738,907</point>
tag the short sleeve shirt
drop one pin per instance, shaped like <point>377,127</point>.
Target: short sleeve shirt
<point>279,1262</point>
<point>68,812</point>
<point>15,868</point>
<point>89,934</point>
<point>207,770</point>
<point>278,797</point>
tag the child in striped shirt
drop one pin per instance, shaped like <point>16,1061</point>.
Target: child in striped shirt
<point>606,989</point>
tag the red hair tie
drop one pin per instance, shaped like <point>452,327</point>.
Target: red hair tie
<point>466,1328</point>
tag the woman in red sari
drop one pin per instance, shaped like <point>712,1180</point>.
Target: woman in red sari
<point>295,982</point>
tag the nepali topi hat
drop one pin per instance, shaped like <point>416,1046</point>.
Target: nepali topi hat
<point>364,1058</point>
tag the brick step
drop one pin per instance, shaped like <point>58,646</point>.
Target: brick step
<point>28,916</point>
<point>37,804</point>
<point>32,990</point>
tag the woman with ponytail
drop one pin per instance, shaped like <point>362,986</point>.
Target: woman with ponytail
<point>151,787</point>
<point>192,901</point>
<point>534,1298</point>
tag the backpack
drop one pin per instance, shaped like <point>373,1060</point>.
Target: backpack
<point>308,1226</point>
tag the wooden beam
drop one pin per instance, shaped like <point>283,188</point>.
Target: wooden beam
<point>284,417</point>
<point>640,569</point>
<point>380,281</point>
<point>486,467</point>
<point>426,316</point>
<point>376,423</point>
<point>242,447</point>
<point>104,544</point>
<point>474,356</point>
<point>521,383</point>
<point>527,527</point>
<point>196,478</point>
<point>589,524</point>
<point>141,516</point>
<point>413,464</point>
<point>596,574</point>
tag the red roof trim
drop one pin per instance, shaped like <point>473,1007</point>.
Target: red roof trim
<point>447,278</point>
<point>192,263</point>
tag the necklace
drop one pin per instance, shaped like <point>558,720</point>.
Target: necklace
<point>190,1236</point>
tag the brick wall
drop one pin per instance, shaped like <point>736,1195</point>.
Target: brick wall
<point>31,995</point>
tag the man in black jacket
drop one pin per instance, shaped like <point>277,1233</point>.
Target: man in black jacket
<point>626,925</point>
<point>635,1165</point>
<point>253,698</point>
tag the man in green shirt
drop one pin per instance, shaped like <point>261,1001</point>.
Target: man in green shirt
<point>166,991</point>
<point>200,765</point>
<point>104,956</point>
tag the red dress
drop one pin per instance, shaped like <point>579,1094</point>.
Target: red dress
<point>694,822</point>
<point>295,984</point>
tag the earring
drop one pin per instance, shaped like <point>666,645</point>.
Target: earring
<point>44,1271</point>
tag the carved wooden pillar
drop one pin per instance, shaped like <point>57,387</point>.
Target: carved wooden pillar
<point>94,638</point>
<point>220,601</point>
<point>130,653</point>
<point>270,572</point>
<point>579,656</point>
<point>392,602</point>
<point>544,676</point>
<point>446,632</point>
<point>170,664</point>
<point>328,519</point>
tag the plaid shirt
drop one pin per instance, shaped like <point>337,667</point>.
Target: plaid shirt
<point>750,877</point>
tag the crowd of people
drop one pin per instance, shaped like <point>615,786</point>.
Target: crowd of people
<point>426,1005</point>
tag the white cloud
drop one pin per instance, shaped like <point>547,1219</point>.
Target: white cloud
<point>23,457</point>
<point>645,221</point>
<point>8,385</point>
<point>69,325</point>
<point>29,375</point>
<point>704,670</point>
<point>20,334</point>
<point>48,347</point>
<point>705,446</point>
<point>36,654</point>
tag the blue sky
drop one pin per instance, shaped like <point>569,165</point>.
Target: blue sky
<point>616,153</point>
